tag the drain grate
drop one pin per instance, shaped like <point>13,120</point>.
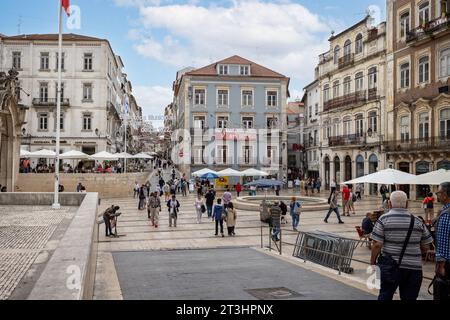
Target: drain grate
<point>273,293</point>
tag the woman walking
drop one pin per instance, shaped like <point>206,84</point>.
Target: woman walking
<point>333,207</point>
<point>199,207</point>
<point>142,197</point>
<point>296,209</point>
<point>231,219</point>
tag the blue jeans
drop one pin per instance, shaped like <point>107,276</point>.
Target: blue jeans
<point>335,210</point>
<point>295,220</point>
<point>408,282</point>
<point>276,233</point>
<point>209,209</point>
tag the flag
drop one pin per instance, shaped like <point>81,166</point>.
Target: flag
<point>66,6</point>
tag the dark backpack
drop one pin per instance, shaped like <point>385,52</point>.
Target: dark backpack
<point>354,198</point>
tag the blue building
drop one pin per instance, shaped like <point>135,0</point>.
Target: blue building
<point>230,114</point>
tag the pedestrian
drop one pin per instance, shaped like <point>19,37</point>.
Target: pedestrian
<point>183,187</point>
<point>253,190</point>
<point>318,184</point>
<point>231,219</point>
<point>226,198</point>
<point>142,197</point>
<point>174,208</point>
<point>332,186</point>
<point>277,190</point>
<point>358,190</point>
<point>385,206</point>
<point>275,220</point>
<point>333,207</point>
<point>345,200</point>
<point>219,215</point>
<point>173,173</point>
<point>79,187</point>
<point>283,208</point>
<point>428,205</point>
<point>297,184</point>
<point>351,202</point>
<point>383,192</point>
<point>108,215</point>
<point>210,196</point>
<point>401,239</point>
<point>441,290</point>
<point>136,189</point>
<point>295,210</point>
<point>306,183</point>
<point>199,207</point>
<point>238,189</point>
<point>161,182</point>
<point>153,208</point>
<point>312,185</point>
<point>166,190</point>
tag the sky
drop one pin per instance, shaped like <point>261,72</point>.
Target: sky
<point>156,38</point>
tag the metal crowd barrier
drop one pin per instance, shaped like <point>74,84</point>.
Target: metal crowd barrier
<point>326,249</point>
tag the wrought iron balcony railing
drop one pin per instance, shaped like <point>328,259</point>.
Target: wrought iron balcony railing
<point>349,139</point>
<point>428,29</point>
<point>421,144</point>
<point>346,60</point>
<point>49,102</point>
<point>347,100</point>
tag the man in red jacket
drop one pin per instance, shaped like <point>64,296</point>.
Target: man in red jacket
<point>238,188</point>
<point>345,199</point>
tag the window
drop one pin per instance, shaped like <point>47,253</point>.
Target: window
<point>87,91</point>
<point>61,121</point>
<point>199,97</point>
<point>222,122</point>
<point>244,70</point>
<point>223,69</point>
<point>316,137</point>
<point>272,123</point>
<point>87,65</point>
<point>347,48</point>
<point>326,93</point>
<point>347,126</point>
<point>424,13</point>
<point>87,122</point>
<point>62,60</point>
<point>222,98</point>
<point>424,70</point>
<point>16,60</point>
<point>444,123</point>
<point>310,112</point>
<point>44,61</point>
<point>373,78</point>
<point>335,127</point>
<point>404,24</point>
<point>43,92</point>
<point>199,122</point>
<point>247,122</point>
<point>43,121</point>
<point>359,125</point>
<point>316,109</point>
<point>373,121</point>
<point>272,98</point>
<point>444,7</point>
<point>424,126</point>
<point>358,44</point>
<point>18,89</point>
<point>222,154</point>
<point>404,128</point>
<point>336,54</point>
<point>336,89</point>
<point>404,75</point>
<point>247,154</point>
<point>247,98</point>
<point>347,85</point>
<point>444,62</point>
<point>359,82</point>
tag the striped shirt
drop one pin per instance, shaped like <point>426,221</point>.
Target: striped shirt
<point>391,231</point>
<point>443,235</point>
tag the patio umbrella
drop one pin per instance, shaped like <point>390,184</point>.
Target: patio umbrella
<point>432,178</point>
<point>386,176</point>
<point>209,176</point>
<point>44,153</point>
<point>123,155</point>
<point>230,173</point>
<point>142,156</point>
<point>254,173</point>
<point>201,172</point>
<point>24,153</point>
<point>73,154</point>
<point>104,156</point>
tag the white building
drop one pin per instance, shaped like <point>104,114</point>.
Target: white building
<point>93,91</point>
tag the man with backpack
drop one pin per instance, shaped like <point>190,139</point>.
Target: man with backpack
<point>296,209</point>
<point>174,208</point>
<point>219,216</point>
<point>275,221</point>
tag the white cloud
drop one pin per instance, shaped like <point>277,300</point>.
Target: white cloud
<point>153,100</point>
<point>283,36</point>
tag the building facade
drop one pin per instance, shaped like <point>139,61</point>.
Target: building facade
<point>231,113</point>
<point>418,106</point>
<point>295,124</point>
<point>351,77</point>
<point>93,92</point>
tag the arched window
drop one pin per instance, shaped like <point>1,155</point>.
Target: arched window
<point>347,48</point>
<point>372,77</point>
<point>347,85</point>
<point>359,166</point>
<point>424,126</point>
<point>424,69</point>
<point>444,123</point>
<point>424,13</point>
<point>404,75</point>
<point>336,90</point>
<point>358,44</point>
<point>444,62</point>
<point>359,82</point>
<point>404,128</point>
<point>373,127</point>
<point>359,125</point>
<point>336,54</point>
<point>347,125</point>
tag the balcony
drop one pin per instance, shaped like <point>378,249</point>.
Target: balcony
<point>372,35</point>
<point>420,145</point>
<point>42,102</point>
<point>346,60</point>
<point>372,94</point>
<point>349,139</point>
<point>358,97</point>
<point>429,30</point>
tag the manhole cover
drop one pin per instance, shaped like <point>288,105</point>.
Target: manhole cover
<point>273,293</point>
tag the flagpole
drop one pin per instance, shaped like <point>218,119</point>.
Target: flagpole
<point>56,204</point>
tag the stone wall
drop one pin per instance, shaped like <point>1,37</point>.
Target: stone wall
<point>106,185</point>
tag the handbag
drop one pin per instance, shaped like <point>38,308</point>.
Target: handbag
<point>223,215</point>
<point>389,268</point>
<point>203,208</point>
